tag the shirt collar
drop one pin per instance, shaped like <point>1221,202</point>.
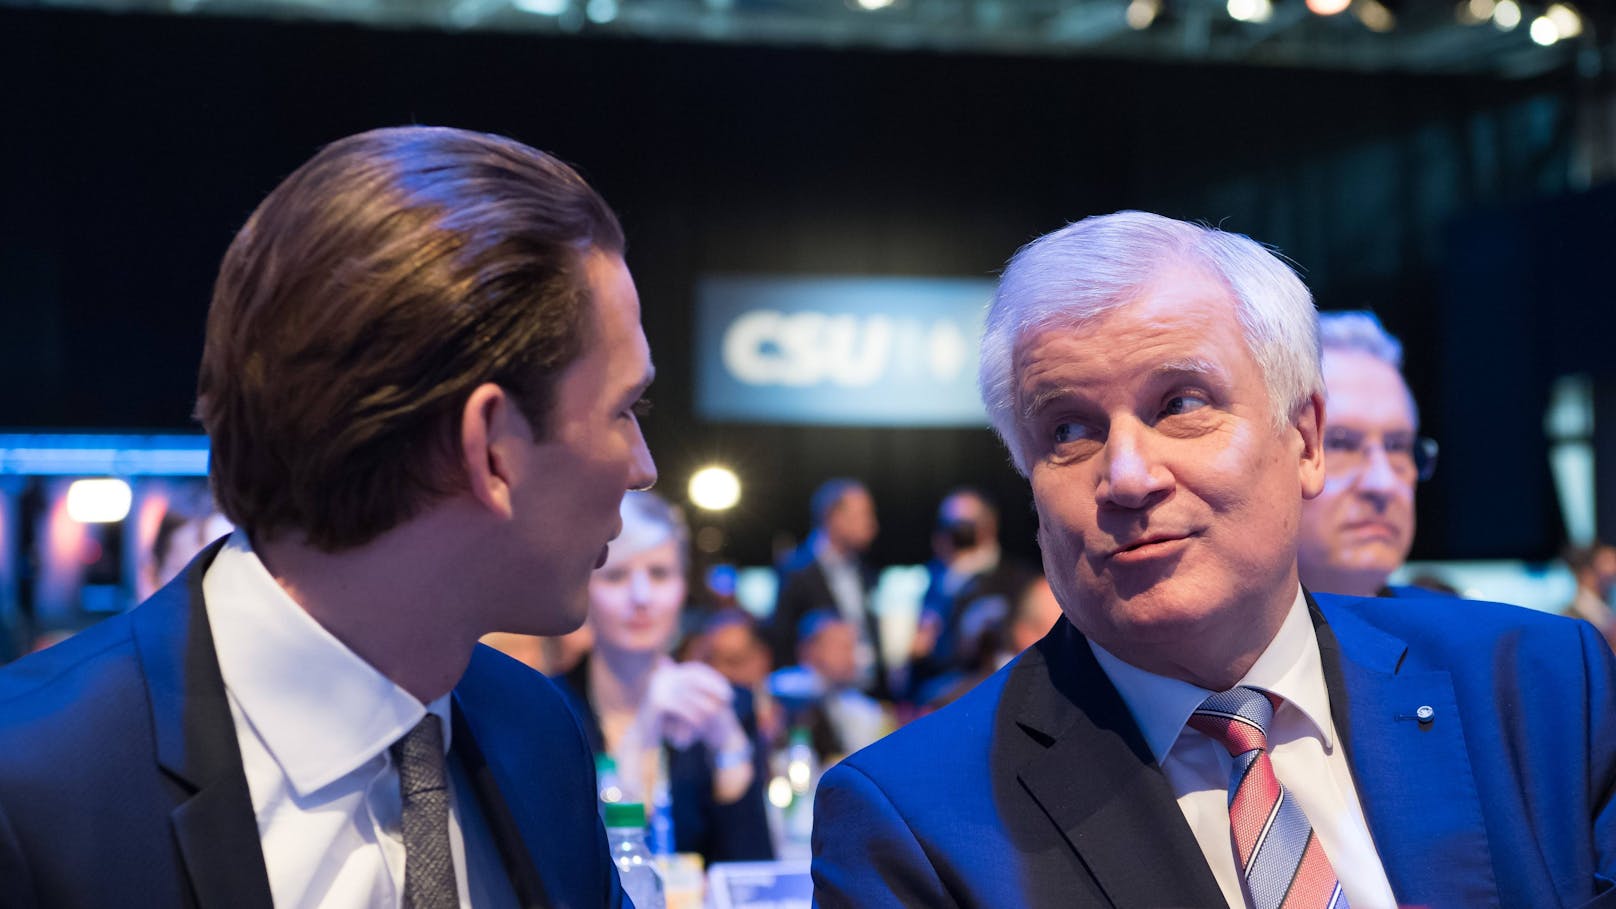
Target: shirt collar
<point>1289,667</point>
<point>319,708</point>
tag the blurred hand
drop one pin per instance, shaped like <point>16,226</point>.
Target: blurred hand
<point>925,636</point>
<point>690,702</point>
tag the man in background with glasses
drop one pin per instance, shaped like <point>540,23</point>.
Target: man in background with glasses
<point>1360,527</point>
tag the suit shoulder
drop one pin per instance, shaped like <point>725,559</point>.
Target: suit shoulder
<point>69,664</point>
<point>941,741</point>
<point>1464,629</point>
<point>510,683</point>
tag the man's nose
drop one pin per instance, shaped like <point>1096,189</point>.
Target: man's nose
<point>1133,475</point>
<point>642,473</point>
<point>1379,479</point>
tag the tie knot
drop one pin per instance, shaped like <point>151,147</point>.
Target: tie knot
<point>1237,719</point>
<point>419,756</point>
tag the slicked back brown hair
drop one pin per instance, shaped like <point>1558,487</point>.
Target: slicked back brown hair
<point>361,304</point>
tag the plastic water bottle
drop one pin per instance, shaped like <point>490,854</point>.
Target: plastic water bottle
<point>802,775</point>
<point>607,784</point>
<point>625,834</point>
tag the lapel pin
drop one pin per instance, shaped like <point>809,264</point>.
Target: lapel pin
<point>1424,714</point>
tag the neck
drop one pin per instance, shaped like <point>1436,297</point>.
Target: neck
<point>619,679</point>
<point>393,601</point>
<point>1215,656</point>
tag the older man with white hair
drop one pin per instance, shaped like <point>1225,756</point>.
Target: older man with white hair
<point>1198,729</point>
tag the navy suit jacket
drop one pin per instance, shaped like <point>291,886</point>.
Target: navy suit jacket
<point>121,782</point>
<point>1037,789</point>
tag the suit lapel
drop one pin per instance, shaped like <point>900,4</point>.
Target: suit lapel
<point>214,826</point>
<point>1083,760</point>
<point>1413,778</point>
<point>502,824</point>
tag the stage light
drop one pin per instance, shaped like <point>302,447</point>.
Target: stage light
<point>103,501</point>
<point>715,488</point>
<point>1328,7</point>
<point>1507,14</point>
<point>1141,13</point>
<point>1480,10</point>
<point>1375,15</point>
<point>1543,31</point>
<point>1567,21</point>
<point>601,12</point>
<point>1251,10</point>
<point>542,7</point>
<point>873,5</point>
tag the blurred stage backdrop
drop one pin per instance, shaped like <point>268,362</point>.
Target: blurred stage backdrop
<point>818,195</point>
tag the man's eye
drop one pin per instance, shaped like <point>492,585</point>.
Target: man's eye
<point>1398,445</point>
<point>1068,432</point>
<point>641,408</point>
<point>1341,442</point>
<point>1180,404</point>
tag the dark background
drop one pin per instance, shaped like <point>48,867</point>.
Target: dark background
<point>131,148</point>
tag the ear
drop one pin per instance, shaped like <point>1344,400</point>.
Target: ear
<point>1309,424</point>
<point>494,438</point>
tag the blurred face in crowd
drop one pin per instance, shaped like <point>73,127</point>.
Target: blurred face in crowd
<point>1035,615</point>
<point>832,653</point>
<point>1359,529</point>
<point>1167,499</point>
<point>736,653</point>
<point>635,598</point>
<point>851,524</point>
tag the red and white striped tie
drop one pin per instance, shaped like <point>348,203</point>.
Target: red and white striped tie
<point>1280,859</point>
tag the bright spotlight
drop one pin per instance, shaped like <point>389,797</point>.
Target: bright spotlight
<point>104,501</point>
<point>541,7</point>
<point>1328,7</point>
<point>715,488</point>
<point>601,12</point>
<point>1506,14</point>
<point>1251,10</point>
<point>1481,10</point>
<point>873,5</point>
<point>1376,16</point>
<point>1543,31</point>
<point>1141,13</point>
<point>1567,21</point>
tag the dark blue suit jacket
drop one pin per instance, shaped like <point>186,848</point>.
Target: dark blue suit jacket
<point>121,782</point>
<point>1037,789</point>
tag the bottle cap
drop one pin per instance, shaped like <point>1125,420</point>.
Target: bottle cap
<point>625,814</point>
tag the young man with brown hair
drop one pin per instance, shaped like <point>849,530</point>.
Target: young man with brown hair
<point>420,375</point>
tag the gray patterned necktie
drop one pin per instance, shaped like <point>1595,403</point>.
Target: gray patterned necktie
<point>429,874</point>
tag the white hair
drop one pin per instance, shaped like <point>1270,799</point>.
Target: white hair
<point>1086,269</point>
<point>1359,330</point>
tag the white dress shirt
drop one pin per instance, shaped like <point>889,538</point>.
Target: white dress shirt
<point>314,722</point>
<point>1306,754</point>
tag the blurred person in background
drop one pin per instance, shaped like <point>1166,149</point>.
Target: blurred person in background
<point>1594,568</point>
<point>679,728</point>
<point>1360,528</point>
<point>828,571</point>
<point>968,566</point>
<point>820,692</point>
<point>731,642</point>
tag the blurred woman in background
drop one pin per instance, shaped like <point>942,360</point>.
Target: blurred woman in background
<point>666,724</point>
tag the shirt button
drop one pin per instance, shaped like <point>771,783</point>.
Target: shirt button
<point>1424,714</point>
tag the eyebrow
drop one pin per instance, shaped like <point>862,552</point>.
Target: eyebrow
<point>1182,368</point>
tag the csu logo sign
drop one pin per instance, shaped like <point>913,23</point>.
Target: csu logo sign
<point>859,351</point>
